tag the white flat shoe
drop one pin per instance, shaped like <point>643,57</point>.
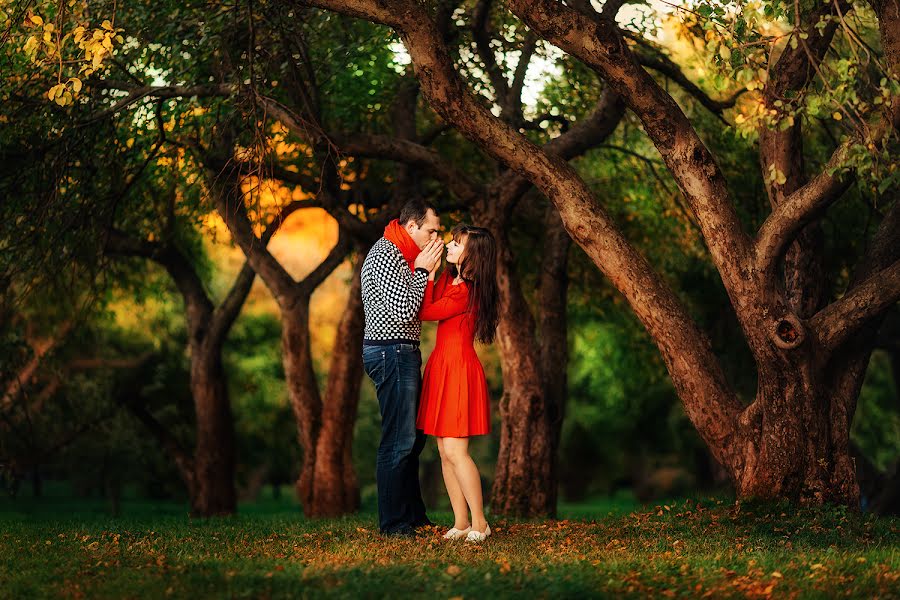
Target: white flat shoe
<point>455,534</point>
<point>477,536</point>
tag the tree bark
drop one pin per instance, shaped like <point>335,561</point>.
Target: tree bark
<point>214,452</point>
<point>336,491</point>
<point>303,391</point>
<point>523,475</point>
<point>553,292</point>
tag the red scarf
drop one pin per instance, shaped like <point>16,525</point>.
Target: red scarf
<point>400,238</point>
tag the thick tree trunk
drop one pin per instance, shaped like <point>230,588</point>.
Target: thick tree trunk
<point>303,390</point>
<point>214,455</point>
<point>795,444</point>
<point>335,491</point>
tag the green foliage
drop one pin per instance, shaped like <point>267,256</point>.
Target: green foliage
<point>876,425</point>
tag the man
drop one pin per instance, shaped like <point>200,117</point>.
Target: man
<point>394,276</point>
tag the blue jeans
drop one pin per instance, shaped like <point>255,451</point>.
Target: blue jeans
<point>396,372</point>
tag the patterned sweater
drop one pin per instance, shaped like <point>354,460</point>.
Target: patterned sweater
<point>391,296</point>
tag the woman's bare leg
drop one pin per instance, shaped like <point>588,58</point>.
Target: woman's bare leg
<point>457,452</point>
<point>457,499</point>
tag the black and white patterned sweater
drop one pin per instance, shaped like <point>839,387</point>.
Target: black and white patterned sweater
<point>391,295</point>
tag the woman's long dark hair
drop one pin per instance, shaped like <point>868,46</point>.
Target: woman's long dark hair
<point>478,268</point>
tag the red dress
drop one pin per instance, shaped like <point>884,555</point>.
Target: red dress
<point>455,400</point>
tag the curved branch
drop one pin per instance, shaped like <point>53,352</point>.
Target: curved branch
<point>837,322</point>
<point>224,186</point>
<point>335,257</point>
<point>653,58</point>
<point>600,44</point>
<point>796,211</point>
<point>176,264</point>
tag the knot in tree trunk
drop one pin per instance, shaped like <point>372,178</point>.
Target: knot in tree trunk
<point>788,332</point>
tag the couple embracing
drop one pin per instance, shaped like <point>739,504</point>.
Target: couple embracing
<point>450,402</point>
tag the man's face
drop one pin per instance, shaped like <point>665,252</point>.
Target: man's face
<point>427,232</point>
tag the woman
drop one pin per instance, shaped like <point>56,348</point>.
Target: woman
<point>455,403</point>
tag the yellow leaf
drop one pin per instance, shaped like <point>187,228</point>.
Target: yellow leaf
<point>107,43</point>
<point>37,20</point>
<point>30,47</point>
<point>78,33</point>
<point>837,116</point>
<point>106,25</point>
<point>76,84</point>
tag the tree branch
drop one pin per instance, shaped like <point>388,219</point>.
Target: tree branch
<point>384,147</point>
<point>177,265</point>
<point>799,209</point>
<point>135,94</point>
<point>600,45</point>
<point>654,58</point>
<point>796,211</point>
<point>837,322</point>
<point>481,33</point>
<point>182,458</point>
<point>335,257</point>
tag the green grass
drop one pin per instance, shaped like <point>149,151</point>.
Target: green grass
<point>62,548</point>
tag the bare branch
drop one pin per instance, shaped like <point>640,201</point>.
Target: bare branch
<point>791,215</point>
<point>335,257</point>
<point>837,322</point>
<point>150,91</point>
<point>653,58</point>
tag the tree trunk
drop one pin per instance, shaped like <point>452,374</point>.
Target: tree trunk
<point>524,474</point>
<point>214,454</point>
<point>303,390</point>
<point>554,335</point>
<point>335,490</point>
<point>796,442</point>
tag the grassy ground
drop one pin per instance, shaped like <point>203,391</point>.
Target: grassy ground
<point>710,548</point>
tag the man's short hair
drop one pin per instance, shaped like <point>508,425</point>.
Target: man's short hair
<point>415,210</point>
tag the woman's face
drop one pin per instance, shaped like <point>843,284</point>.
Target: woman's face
<point>455,250</point>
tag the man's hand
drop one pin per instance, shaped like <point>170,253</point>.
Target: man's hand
<point>430,256</point>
